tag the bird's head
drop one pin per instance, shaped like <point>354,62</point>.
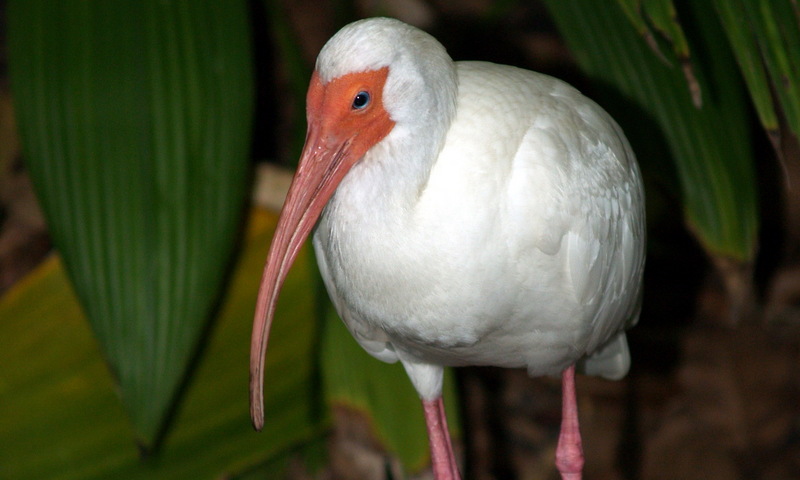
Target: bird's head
<point>374,79</point>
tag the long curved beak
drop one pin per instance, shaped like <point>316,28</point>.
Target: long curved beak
<point>335,141</point>
<point>321,169</point>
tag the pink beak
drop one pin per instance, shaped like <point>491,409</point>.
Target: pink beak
<point>337,139</point>
<point>321,169</point>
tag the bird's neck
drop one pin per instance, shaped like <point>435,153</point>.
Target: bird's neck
<point>390,179</point>
<point>395,173</point>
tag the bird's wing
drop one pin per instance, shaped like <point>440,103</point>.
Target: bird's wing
<point>584,190</point>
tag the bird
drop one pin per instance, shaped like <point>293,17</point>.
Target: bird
<point>463,213</point>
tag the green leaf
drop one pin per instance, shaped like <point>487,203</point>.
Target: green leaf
<point>745,46</point>
<point>777,27</point>
<point>135,119</point>
<point>709,144</point>
<point>62,420</point>
<point>765,37</point>
<point>663,16</point>
<point>633,11</point>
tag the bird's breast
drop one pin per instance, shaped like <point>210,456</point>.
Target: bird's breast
<point>448,287</point>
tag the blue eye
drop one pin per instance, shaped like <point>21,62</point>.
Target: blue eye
<point>361,100</point>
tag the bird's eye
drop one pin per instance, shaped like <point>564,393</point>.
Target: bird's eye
<point>361,100</point>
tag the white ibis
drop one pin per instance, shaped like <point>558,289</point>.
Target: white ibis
<point>466,213</point>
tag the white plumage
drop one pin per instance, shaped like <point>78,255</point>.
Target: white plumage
<point>496,219</point>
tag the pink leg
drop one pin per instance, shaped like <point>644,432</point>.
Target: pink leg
<point>569,453</point>
<point>442,457</point>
